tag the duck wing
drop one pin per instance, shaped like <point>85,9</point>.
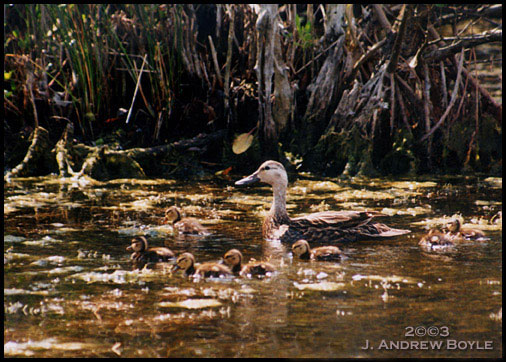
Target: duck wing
<point>343,219</point>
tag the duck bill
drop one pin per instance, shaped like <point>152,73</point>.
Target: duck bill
<point>174,268</point>
<point>129,248</point>
<point>248,180</point>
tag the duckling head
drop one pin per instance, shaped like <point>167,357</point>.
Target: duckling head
<point>270,172</point>
<point>232,258</point>
<point>453,226</point>
<point>172,214</point>
<point>184,261</point>
<point>300,247</point>
<point>139,244</point>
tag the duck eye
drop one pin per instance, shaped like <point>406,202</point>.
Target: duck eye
<point>266,168</point>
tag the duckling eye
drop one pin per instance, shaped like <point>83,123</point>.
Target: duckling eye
<point>267,168</point>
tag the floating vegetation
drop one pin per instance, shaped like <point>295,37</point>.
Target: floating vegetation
<point>192,304</point>
<point>387,279</point>
<point>321,287</point>
<point>495,182</point>
<point>30,347</point>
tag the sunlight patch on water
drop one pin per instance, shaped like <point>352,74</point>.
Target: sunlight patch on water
<point>192,304</point>
<point>322,286</point>
<point>28,348</point>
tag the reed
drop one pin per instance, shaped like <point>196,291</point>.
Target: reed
<point>91,54</point>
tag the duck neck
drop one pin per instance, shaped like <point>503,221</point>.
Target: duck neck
<point>278,208</point>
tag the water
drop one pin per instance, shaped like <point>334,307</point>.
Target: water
<point>70,290</point>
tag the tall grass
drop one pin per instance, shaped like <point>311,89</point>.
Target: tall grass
<point>90,55</point>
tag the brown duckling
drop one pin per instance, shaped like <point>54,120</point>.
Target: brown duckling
<point>303,251</point>
<point>317,227</point>
<point>497,218</point>
<point>233,258</point>
<point>187,225</point>
<point>455,230</point>
<point>186,262</point>
<point>435,239</point>
<point>141,252</point>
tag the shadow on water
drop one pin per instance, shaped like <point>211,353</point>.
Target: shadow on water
<point>70,289</point>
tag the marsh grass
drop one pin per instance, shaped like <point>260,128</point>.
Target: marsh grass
<point>89,56</point>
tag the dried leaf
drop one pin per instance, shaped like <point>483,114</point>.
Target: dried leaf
<point>242,143</point>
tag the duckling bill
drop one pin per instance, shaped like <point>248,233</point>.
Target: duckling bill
<point>317,227</point>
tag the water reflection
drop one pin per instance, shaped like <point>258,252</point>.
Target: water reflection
<point>70,288</point>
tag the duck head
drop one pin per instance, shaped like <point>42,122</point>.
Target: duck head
<point>453,226</point>
<point>300,247</point>
<point>172,214</point>
<point>184,261</point>
<point>233,258</point>
<point>270,172</point>
<point>139,244</point>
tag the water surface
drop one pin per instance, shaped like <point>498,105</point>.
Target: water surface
<point>71,291</point>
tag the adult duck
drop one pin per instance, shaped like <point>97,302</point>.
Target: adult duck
<point>317,227</point>
<point>186,225</point>
<point>186,262</point>
<point>233,259</point>
<point>143,254</point>
<point>455,230</point>
<point>302,250</point>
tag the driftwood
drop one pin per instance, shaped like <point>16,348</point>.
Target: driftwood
<point>35,157</point>
<point>102,163</point>
<point>273,115</point>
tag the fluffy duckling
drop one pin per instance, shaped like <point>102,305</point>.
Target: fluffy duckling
<point>233,258</point>
<point>187,225</point>
<point>143,254</point>
<point>186,262</point>
<point>435,239</point>
<point>455,230</point>
<point>303,251</point>
<point>497,218</point>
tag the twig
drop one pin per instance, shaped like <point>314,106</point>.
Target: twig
<point>319,55</point>
<point>229,61</point>
<point>403,109</point>
<point>215,60</point>
<point>443,83</point>
<point>452,100</point>
<point>392,102</point>
<point>406,11</point>
<point>136,89</point>
<point>378,8</point>
<point>426,106</point>
<point>464,42</point>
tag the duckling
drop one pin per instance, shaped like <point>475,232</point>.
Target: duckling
<point>143,254</point>
<point>497,218</point>
<point>233,258</point>
<point>303,251</point>
<point>455,230</point>
<point>435,239</point>
<point>187,225</point>
<point>317,227</point>
<point>186,262</point>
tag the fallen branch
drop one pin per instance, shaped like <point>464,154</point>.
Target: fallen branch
<point>462,42</point>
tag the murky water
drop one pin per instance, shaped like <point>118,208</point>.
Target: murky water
<point>70,290</point>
